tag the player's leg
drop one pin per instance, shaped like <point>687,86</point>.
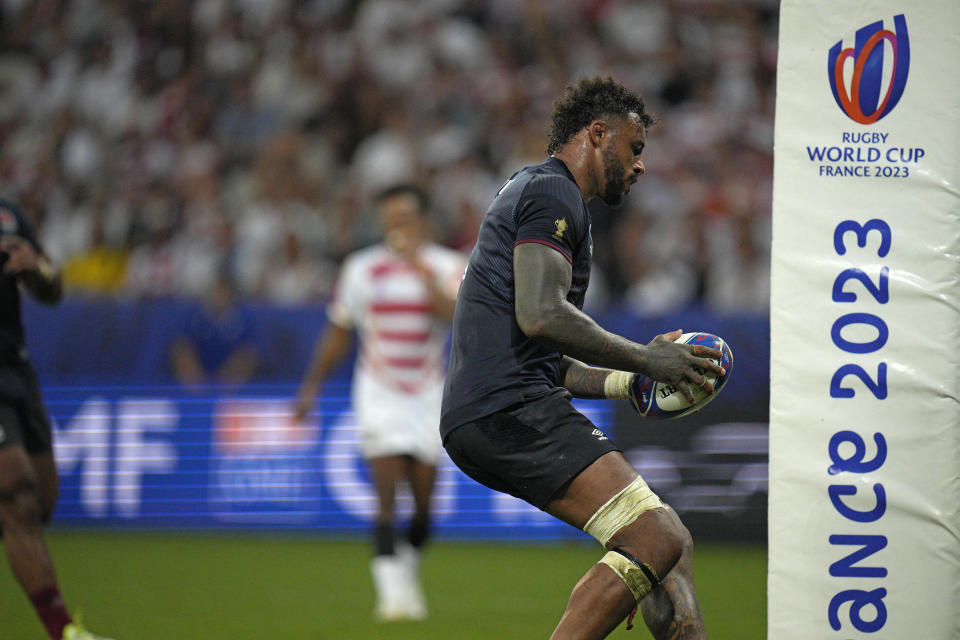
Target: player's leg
<point>389,577</point>
<point>650,545</point>
<point>48,483</point>
<point>386,472</point>
<point>21,520</point>
<point>28,493</point>
<point>422,476</point>
<point>547,453</point>
<point>672,610</point>
<point>421,440</point>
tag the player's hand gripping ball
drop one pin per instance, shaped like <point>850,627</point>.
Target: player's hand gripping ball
<point>659,400</point>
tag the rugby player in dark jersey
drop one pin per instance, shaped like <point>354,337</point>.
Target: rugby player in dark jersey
<point>522,347</point>
<point>28,476</point>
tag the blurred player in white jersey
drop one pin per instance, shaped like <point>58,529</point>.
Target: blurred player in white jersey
<point>398,297</point>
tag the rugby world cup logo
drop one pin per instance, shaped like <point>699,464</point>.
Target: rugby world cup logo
<point>877,82</point>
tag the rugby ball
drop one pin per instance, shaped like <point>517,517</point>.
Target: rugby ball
<point>660,400</point>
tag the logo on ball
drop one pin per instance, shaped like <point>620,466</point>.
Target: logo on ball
<point>661,400</point>
<point>871,93</point>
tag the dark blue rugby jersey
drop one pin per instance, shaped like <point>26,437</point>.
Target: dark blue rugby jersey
<point>12,223</point>
<point>493,364</point>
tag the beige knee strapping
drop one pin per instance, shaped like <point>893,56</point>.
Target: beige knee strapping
<point>636,579</point>
<point>622,509</point>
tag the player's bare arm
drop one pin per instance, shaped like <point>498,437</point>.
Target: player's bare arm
<point>327,356</point>
<point>582,380</point>
<point>38,274</point>
<point>442,301</point>
<point>408,245</point>
<point>542,278</point>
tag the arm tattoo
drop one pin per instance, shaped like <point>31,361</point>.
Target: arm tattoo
<point>542,280</point>
<point>583,381</point>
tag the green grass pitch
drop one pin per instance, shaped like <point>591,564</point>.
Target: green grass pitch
<point>151,586</point>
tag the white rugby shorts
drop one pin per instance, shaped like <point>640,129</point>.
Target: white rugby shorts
<point>393,422</point>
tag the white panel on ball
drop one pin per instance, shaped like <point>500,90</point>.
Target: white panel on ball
<point>865,323</point>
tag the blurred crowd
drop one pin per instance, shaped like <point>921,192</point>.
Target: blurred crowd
<point>162,146</point>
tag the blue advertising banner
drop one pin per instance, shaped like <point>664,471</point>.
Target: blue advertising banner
<point>165,457</point>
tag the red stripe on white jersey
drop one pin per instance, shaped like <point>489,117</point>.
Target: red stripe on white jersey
<point>388,268</point>
<point>403,336</point>
<point>400,307</point>
<point>405,363</point>
<point>407,373</point>
<point>408,387</point>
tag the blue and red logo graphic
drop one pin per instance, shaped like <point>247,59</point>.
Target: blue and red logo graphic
<point>861,101</point>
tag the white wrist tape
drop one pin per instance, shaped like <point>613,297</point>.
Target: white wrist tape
<point>617,385</point>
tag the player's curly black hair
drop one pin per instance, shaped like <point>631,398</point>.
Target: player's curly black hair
<point>588,100</point>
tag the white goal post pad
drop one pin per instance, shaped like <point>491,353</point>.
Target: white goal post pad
<point>864,532</point>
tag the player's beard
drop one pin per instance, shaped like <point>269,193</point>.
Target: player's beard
<point>615,185</point>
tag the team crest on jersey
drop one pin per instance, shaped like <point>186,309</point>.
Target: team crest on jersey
<point>561,227</point>
<point>8,222</point>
